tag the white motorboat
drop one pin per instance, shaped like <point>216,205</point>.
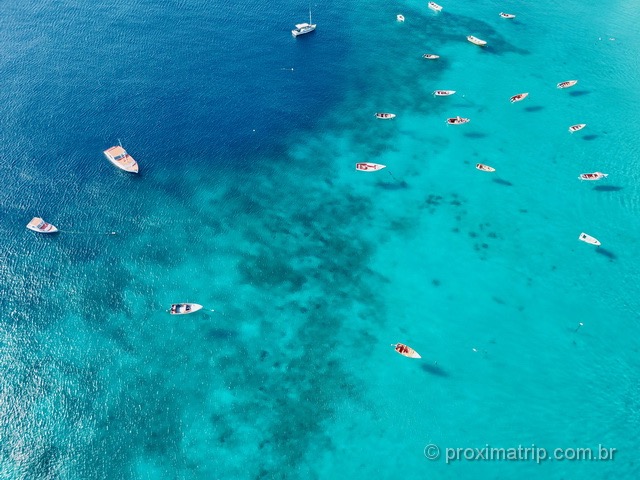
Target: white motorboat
<point>576,127</point>
<point>476,41</point>
<point>507,15</point>
<point>369,167</point>
<point>400,18</point>
<point>457,120</point>
<point>121,159</point>
<point>443,93</point>
<point>589,239</point>
<point>567,84</point>
<point>519,97</point>
<point>184,308</point>
<point>593,176</point>
<point>39,225</point>
<point>435,7</point>
<point>485,168</point>
<point>385,116</point>
<point>430,56</point>
<point>302,28</point>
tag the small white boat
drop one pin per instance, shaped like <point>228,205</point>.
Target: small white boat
<point>184,308</point>
<point>457,120</point>
<point>430,56</point>
<point>39,225</point>
<point>507,15</point>
<point>567,84</point>
<point>519,97</point>
<point>405,350</point>
<point>589,239</point>
<point>121,159</point>
<point>400,18</point>
<point>369,167</point>
<point>443,93</point>
<point>386,116</point>
<point>485,168</point>
<point>593,176</point>
<point>576,127</point>
<point>476,41</point>
<point>435,7</point>
<point>302,28</point>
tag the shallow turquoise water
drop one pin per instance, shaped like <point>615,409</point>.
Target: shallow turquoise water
<point>248,202</point>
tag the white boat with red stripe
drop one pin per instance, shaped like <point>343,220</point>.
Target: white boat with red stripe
<point>519,97</point>
<point>593,176</point>
<point>405,350</point>
<point>567,84</point>
<point>369,167</point>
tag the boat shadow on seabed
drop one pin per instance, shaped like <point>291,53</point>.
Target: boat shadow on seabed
<point>607,253</point>
<point>607,188</point>
<point>434,369</point>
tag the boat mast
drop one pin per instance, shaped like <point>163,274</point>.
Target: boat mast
<point>309,15</point>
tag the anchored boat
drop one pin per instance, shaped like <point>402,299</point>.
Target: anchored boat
<point>184,308</point>
<point>369,167</point>
<point>405,350</point>
<point>589,239</point>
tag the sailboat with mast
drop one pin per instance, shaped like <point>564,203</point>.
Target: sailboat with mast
<point>302,28</point>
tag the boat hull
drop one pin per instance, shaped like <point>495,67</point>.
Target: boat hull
<point>369,167</point>
<point>303,29</point>
<point>430,56</point>
<point>385,116</point>
<point>577,128</point>
<point>435,7</point>
<point>119,157</point>
<point>507,15</point>
<point>485,168</point>
<point>443,93</point>
<point>519,97</point>
<point>37,224</point>
<point>457,121</point>
<point>593,176</point>
<point>589,239</point>
<point>476,41</point>
<point>567,84</point>
<point>184,308</point>
<point>406,351</point>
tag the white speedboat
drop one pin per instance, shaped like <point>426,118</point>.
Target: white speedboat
<point>576,127</point>
<point>589,239</point>
<point>507,15</point>
<point>593,176</point>
<point>385,116</point>
<point>519,97</point>
<point>400,18</point>
<point>302,28</point>
<point>184,308</point>
<point>121,159</point>
<point>405,350</point>
<point>476,41</point>
<point>443,93</point>
<point>435,7</point>
<point>430,56</point>
<point>567,84</point>
<point>369,167</point>
<point>485,168</point>
<point>457,120</point>
<point>39,225</point>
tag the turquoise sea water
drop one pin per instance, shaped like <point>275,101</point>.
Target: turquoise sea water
<point>248,203</point>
